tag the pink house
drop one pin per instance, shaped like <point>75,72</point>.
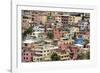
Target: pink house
<point>74,51</point>
<point>62,46</point>
<point>27,55</point>
<point>57,33</point>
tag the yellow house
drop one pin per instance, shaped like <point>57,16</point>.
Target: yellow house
<point>64,55</point>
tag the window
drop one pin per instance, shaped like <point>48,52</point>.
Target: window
<point>32,19</point>
<point>24,58</point>
<point>39,51</point>
<point>65,56</point>
<point>40,58</point>
<point>55,32</point>
<point>24,17</point>
<point>26,53</point>
<point>24,21</point>
<point>47,54</point>
<point>25,44</point>
<point>27,58</point>
<point>44,54</point>
<point>62,57</point>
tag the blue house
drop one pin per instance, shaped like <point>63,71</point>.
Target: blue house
<point>79,40</point>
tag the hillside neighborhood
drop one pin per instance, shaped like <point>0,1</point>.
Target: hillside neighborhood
<point>55,36</point>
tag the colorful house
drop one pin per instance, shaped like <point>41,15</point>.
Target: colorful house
<point>64,55</point>
<point>57,33</point>
<point>74,51</point>
<point>43,52</point>
<point>79,40</point>
<point>27,55</point>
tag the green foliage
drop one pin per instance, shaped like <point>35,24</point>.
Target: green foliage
<point>86,41</point>
<point>84,56</point>
<point>55,57</point>
<point>88,55</point>
<point>28,31</point>
<point>81,56</point>
<point>50,35</point>
<point>74,37</point>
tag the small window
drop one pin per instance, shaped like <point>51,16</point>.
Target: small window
<point>65,56</point>
<point>24,58</point>
<point>26,53</point>
<point>27,58</point>
<point>32,19</point>
<point>25,44</point>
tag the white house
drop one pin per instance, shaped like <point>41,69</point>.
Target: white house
<point>37,30</point>
<point>43,52</point>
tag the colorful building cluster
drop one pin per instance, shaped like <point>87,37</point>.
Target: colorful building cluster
<point>55,36</point>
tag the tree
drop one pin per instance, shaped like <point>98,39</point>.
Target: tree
<point>28,31</point>
<point>81,56</point>
<point>86,41</point>
<point>84,55</point>
<point>74,37</point>
<point>50,35</point>
<point>88,55</point>
<point>49,17</point>
<point>55,57</point>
